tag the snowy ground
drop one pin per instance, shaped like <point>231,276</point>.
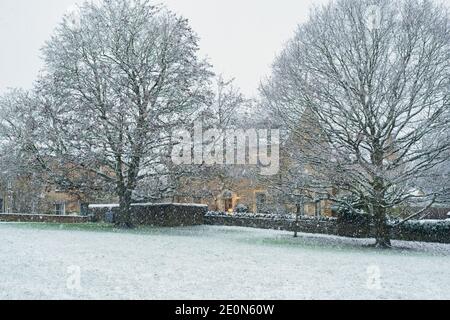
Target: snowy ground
<point>42,262</point>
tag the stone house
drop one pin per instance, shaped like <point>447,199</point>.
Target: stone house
<point>224,188</point>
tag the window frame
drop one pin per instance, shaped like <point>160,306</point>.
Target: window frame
<point>63,207</point>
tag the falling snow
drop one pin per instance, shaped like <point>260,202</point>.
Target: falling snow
<point>208,262</point>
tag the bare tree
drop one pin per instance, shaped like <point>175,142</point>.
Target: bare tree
<point>118,77</point>
<point>227,111</point>
<point>18,177</point>
<point>374,77</point>
<point>27,165</point>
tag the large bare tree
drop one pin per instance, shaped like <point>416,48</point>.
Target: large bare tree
<point>119,76</point>
<point>374,76</point>
<point>228,110</point>
<point>18,176</point>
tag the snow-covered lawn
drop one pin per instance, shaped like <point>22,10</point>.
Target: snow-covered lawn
<point>42,262</point>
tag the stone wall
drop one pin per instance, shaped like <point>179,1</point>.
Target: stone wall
<point>160,215</point>
<point>305,225</point>
<point>422,231</point>
<point>42,218</point>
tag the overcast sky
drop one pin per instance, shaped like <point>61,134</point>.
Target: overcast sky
<point>240,37</point>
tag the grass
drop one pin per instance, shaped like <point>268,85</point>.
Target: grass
<point>313,242</point>
<point>282,240</point>
<point>102,227</point>
<point>93,227</point>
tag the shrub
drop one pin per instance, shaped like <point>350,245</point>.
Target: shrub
<point>353,223</point>
<point>240,208</point>
<point>425,230</point>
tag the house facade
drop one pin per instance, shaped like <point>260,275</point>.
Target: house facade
<point>256,194</point>
<point>28,195</point>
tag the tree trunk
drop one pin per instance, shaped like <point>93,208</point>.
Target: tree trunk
<point>382,229</point>
<point>124,220</point>
<point>297,215</point>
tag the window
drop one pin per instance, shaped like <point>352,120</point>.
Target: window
<point>318,208</point>
<point>197,200</point>
<point>261,200</point>
<point>60,209</point>
<point>84,209</point>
